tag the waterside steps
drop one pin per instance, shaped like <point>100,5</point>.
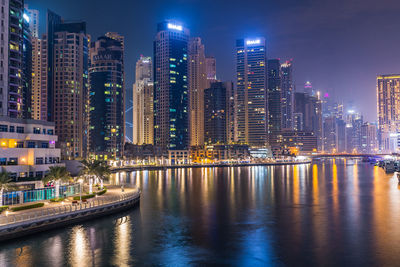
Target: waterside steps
<point>18,225</point>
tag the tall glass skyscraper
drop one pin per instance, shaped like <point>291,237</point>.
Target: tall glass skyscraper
<point>274,96</point>
<point>287,95</point>
<point>143,113</point>
<point>171,86</point>
<point>106,75</point>
<point>251,109</point>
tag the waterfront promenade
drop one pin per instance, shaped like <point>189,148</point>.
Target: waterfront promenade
<point>53,215</point>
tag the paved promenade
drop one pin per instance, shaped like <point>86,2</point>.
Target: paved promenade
<point>112,191</point>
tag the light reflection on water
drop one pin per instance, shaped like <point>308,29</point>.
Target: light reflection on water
<point>335,212</point>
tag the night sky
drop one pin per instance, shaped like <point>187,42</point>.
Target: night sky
<point>339,45</point>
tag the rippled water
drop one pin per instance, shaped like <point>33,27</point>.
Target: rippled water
<point>331,213</point>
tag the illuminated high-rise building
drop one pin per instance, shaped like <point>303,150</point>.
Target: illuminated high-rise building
<point>308,115</point>
<point>251,107</point>
<point>388,95</point>
<point>274,96</point>
<point>143,89</point>
<point>287,92</point>
<point>67,58</point>
<point>106,79</point>
<point>33,16</point>
<point>369,141</point>
<point>197,84</point>
<point>171,125</point>
<point>211,70</point>
<point>219,114</point>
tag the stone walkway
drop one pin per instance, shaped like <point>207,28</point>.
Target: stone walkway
<point>111,191</point>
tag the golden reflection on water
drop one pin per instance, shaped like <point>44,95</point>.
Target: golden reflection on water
<point>122,241</point>
<point>79,247</point>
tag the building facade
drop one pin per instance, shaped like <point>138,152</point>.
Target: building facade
<point>15,34</point>
<point>106,117</point>
<point>287,91</point>
<point>67,54</point>
<point>198,82</point>
<point>369,141</point>
<point>308,115</point>
<point>219,114</point>
<point>251,86</point>
<point>27,147</point>
<point>388,107</point>
<point>171,120</point>
<point>143,116</point>
<point>211,70</point>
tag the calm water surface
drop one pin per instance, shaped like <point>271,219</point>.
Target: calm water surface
<point>341,212</point>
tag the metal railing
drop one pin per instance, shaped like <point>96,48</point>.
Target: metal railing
<point>10,219</point>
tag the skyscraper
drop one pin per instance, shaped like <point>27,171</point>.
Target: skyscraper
<point>388,105</point>
<point>211,70</point>
<point>197,84</point>
<point>287,87</point>
<point>219,114</point>
<point>274,96</point>
<point>16,27</point>
<point>143,89</point>
<point>171,86</point>
<point>308,115</point>
<point>26,68</point>
<point>33,16</point>
<point>36,79</point>
<point>106,75</point>
<point>67,83</point>
<point>368,138</point>
<point>251,108</point>
<point>4,47</point>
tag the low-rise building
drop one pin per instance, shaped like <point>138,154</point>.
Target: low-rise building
<point>27,147</point>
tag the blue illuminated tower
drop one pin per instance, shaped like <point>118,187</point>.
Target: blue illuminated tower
<point>251,109</point>
<point>171,86</point>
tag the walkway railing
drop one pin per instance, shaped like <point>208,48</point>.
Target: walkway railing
<point>7,220</point>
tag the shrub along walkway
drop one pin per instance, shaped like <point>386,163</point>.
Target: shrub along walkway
<point>47,204</point>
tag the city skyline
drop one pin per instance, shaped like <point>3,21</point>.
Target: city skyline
<point>316,55</point>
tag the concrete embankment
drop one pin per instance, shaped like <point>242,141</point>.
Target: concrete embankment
<point>165,167</point>
<point>25,223</point>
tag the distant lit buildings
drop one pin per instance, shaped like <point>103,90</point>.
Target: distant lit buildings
<point>329,134</point>
<point>219,114</point>
<point>287,93</point>
<point>171,121</point>
<point>251,108</point>
<point>143,113</point>
<point>388,105</point>
<point>197,84</point>
<point>308,115</point>
<point>106,98</point>
<point>299,141</point>
<point>369,141</point>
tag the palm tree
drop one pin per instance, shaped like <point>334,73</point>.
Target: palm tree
<point>5,184</point>
<point>93,170</point>
<point>103,172</point>
<point>57,174</point>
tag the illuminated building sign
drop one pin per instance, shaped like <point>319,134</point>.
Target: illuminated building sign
<point>253,42</point>
<point>174,27</point>
<point>26,17</point>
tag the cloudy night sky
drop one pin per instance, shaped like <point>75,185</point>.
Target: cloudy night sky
<point>340,46</point>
